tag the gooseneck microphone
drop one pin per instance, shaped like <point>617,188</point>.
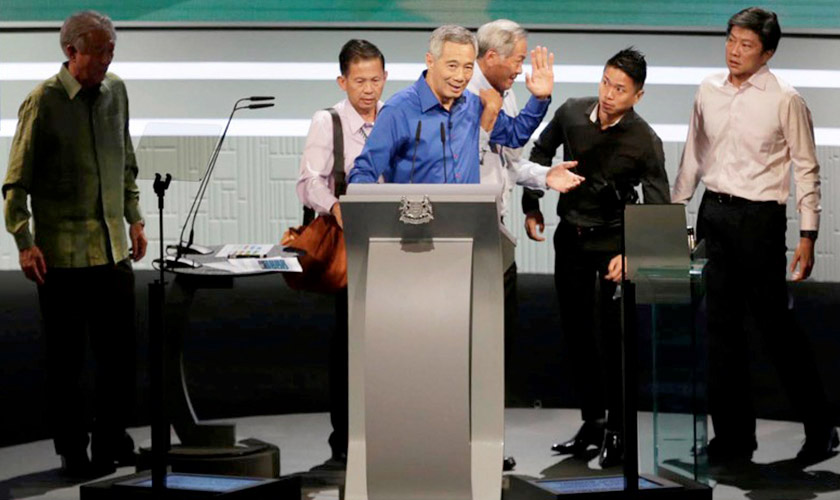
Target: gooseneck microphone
<point>187,247</point>
<point>443,145</point>
<point>414,157</point>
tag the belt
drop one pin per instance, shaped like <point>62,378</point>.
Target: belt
<point>590,230</point>
<point>731,199</point>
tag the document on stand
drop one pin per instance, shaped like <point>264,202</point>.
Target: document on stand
<point>247,266</point>
<point>244,251</point>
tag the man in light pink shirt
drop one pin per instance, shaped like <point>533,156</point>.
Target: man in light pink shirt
<point>362,78</point>
<point>746,128</point>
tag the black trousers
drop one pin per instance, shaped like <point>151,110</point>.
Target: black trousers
<point>746,274</point>
<point>95,303</point>
<point>590,318</point>
<point>338,377</point>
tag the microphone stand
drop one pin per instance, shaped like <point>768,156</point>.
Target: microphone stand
<point>187,247</point>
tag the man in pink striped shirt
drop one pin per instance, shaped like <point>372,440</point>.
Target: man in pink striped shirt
<point>746,128</point>
<point>362,78</point>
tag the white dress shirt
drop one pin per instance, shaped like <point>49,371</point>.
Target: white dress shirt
<point>742,141</point>
<point>501,164</point>
<point>315,184</point>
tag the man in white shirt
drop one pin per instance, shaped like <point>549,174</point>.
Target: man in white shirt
<point>362,78</point>
<point>502,48</point>
<point>746,128</point>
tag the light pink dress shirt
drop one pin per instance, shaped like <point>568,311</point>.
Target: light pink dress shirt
<point>315,184</point>
<point>742,141</point>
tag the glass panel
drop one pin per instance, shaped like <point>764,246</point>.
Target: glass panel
<point>667,292</point>
<point>180,149</point>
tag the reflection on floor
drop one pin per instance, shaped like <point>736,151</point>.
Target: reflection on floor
<point>30,470</point>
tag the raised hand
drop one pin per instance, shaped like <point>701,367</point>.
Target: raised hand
<point>541,80</point>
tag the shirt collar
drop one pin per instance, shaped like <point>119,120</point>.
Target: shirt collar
<point>757,80</point>
<point>481,81</point>
<point>354,119</point>
<point>593,115</point>
<point>70,84</point>
<point>428,99</point>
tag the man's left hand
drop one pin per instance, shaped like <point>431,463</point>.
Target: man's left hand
<point>804,258</point>
<point>560,179</point>
<point>614,269</point>
<point>541,80</point>
<point>138,241</point>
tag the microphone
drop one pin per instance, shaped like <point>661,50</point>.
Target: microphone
<point>414,157</point>
<point>187,247</point>
<point>261,98</point>
<point>443,145</point>
<point>258,106</point>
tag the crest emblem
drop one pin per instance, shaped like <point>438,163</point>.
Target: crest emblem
<point>416,212</point>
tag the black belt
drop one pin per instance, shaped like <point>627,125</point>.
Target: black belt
<point>590,230</point>
<point>731,199</point>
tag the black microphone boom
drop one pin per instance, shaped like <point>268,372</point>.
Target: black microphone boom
<point>261,98</point>
<point>187,247</point>
<point>414,158</point>
<point>443,144</point>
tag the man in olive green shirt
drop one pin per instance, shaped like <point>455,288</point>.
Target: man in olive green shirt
<point>72,157</point>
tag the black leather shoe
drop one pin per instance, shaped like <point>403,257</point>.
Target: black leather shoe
<point>612,450</point>
<point>508,464</point>
<point>819,445</point>
<point>114,452</point>
<point>591,433</point>
<point>727,452</point>
<point>76,465</point>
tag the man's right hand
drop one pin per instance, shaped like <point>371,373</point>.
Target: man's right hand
<point>560,179</point>
<point>335,211</point>
<point>33,264</point>
<point>492,102</point>
<point>533,221</point>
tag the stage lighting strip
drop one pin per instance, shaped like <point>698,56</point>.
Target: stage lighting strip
<point>402,72</point>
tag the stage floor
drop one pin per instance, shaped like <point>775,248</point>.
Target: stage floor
<point>30,470</point>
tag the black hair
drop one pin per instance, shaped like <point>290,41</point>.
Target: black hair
<point>763,23</point>
<point>631,62</point>
<point>357,50</point>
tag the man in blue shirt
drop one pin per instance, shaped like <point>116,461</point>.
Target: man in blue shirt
<point>428,132</point>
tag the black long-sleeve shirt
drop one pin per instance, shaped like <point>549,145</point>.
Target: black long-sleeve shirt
<point>614,161</point>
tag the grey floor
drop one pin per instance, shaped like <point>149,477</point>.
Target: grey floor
<point>30,470</point>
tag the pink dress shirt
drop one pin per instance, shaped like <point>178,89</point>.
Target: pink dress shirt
<point>742,141</point>
<point>315,184</point>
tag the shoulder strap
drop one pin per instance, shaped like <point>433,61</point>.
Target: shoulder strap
<point>339,176</point>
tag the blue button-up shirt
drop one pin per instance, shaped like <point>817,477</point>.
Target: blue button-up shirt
<point>392,145</point>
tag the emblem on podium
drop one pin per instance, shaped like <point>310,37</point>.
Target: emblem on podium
<point>416,212</point>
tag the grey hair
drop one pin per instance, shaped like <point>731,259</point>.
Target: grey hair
<point>81,23</point>
<point>450,33</point>
<point>500,35</point>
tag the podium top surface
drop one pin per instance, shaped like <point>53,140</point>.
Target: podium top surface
<point>442,192</point>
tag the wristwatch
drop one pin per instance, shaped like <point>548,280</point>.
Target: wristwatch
<point>811,235</point>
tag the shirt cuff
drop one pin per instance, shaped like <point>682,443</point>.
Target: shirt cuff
<point>23,239</point>
<point>809,221</point>
<point>133,214</point>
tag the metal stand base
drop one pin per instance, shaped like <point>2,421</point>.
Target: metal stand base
<point>250,457</point>
<point>181,486</point>
<point>605,488</point>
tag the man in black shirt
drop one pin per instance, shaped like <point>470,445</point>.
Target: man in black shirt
<point>616,151</point>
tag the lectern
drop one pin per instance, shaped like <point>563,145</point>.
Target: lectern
<point>426,314</point>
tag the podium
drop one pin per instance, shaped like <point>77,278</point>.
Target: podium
<point>426,325</point>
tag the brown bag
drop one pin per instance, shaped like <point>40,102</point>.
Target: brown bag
<point>324,259</point>
<point>324,262</point>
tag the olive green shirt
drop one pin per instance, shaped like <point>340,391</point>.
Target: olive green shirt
<point>72,155</point>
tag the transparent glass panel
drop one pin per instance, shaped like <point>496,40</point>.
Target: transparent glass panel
<point>667,295</point>
<point>180,149</point>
